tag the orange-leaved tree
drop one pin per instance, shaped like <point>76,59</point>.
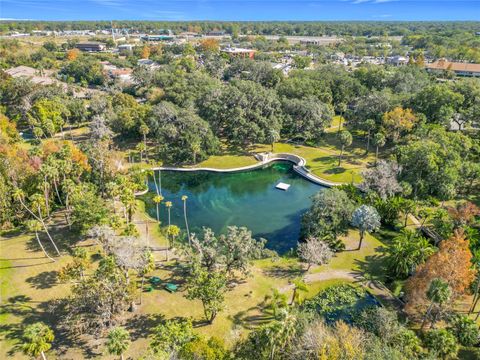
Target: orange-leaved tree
<point>451,263</point>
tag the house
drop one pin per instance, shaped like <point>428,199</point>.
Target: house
<point>239,52</point>
<point>125,49</point>
<point>397,60</point>
<point>459,68</point>
<point>92,46</point>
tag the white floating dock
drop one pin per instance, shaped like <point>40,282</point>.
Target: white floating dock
<point>282,186</point>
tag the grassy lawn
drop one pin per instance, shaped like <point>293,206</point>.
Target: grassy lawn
<point>227,161</point>
<point>323,160</point>
<point>29,285</point>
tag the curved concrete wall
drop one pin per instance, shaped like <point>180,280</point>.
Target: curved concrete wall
<point>265,158</point>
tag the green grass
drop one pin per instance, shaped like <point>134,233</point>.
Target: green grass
<point>227,161</point>
<point>25,272</point>
<point>323,160</point>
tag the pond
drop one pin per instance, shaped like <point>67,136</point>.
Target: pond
<point>249,199</point>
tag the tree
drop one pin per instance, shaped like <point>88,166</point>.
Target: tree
<point>407,206</point>
<point>36,226</point>
<point>273,137</point>
<point>330,214</point>
<point>172,336</point>
<point>305,118</point>
<point>145,52</point>
<point>383,179</point>
<point>168,205</point>
<point>157,199</point>
<point>298,286</point>
<point>19,195</point>
<point>144,130</point>
<point>228,252</point>
<point>398,121</point>
<point>175,130</point>
<point>438,102</point>
<point>72,54</point>
<point>366,219</point>
<point>438,293</point>
<point>368,125</point>
<point>379,141</point>
<point>451,263</point>
<point>276,301</point>
<point>184,199</point>
<point>210,45</point>
<point>209,288</point>
<point>37,339</point>
<point>301,62</point>
<point>314,252</point>
<point>465,330</point>
<point>118,341</point>
<point>406,252</point>
<point>48,116</point>
<point>345,140</point>
<point>256,111</point>
<point>441,343</point>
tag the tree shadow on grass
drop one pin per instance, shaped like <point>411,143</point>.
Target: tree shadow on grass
<point>254,317</point>
<point>143,325</point>
<point>291,271</point>
<point>43,280</point>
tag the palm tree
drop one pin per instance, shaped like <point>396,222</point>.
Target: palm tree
<point>346,140</point>
<point>144,130</point>
<point>369,125</point>
<point>38,339</point>
<point>276,301</point>
<point>407,207</point>
<point>299,286</point>
<point>36,226</point>
<point>379,141</point>
<point>282,332</point>
<point>407,251</point>
<point>184,199</point>
<point>196,148</point>
<point>173,231</point>
<point>168,205</point>
<point>157,199</point>
<point>141,149</point>
<point>438,293</point>
<point>118,341</point>
<point>19,195</point>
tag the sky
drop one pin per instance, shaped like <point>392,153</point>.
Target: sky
<point>231,10</point>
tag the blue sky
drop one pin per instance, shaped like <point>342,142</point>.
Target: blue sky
<point>241,9</point>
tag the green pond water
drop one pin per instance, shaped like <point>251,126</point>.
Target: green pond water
<point>249,199</point>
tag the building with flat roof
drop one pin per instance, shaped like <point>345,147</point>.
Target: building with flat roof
<point>91,46</point>
<point>239,52</point>
<point>459,68</point>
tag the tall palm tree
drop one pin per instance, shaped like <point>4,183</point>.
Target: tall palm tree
<point>118,341</point>
<point>38,339</point>
<point>184,199</point>
<point>20,196</point>
<point>299,286</point>
<point>144,130</point>
<point>157,199</point>
<point>438,293</point>
<point>35,226</point>
<point>168,205</point>
<point>173,231</point>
